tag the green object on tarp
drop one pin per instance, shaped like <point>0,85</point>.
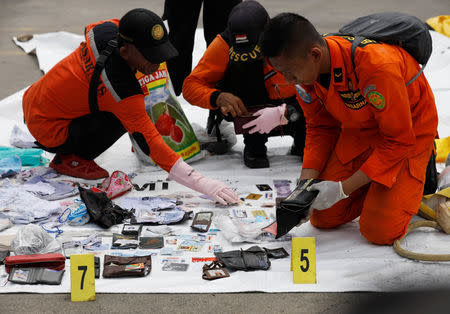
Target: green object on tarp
<point>28,156</point>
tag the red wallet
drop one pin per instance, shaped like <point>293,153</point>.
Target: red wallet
<point>51,260</point>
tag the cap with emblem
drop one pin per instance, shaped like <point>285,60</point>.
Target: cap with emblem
<point>246,23</point>
<point>147,32</point>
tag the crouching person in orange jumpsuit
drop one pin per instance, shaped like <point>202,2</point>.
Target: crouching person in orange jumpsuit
<point>369,137</point>
<point>67,119</point>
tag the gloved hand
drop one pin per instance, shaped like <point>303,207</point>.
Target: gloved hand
<point>330,192</point>
<point>269,118</point>
<point>184,174</point>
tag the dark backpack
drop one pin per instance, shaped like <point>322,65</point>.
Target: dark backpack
<point>403,30</point>
<point>393,28</point>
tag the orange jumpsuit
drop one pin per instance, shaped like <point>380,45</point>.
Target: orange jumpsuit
<point>61,95</point>
<point>199,88</point>
<point>375,124</point>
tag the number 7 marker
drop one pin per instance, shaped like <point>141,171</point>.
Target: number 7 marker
<point>303,260</point>
<point>82,277</point>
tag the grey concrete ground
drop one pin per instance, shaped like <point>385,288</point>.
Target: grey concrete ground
<point>17,70</point>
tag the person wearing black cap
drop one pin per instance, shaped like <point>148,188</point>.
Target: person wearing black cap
<point>233,78</point>
<point>87,101</point>
<point>182,18</point>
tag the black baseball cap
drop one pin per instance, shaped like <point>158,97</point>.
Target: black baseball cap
<point>147,32</point>
<point>246,23</point>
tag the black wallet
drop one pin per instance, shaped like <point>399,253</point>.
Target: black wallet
<point>253,258</point>
<point>36,275</point>
<point>97,266</point>
<point>295,207</point>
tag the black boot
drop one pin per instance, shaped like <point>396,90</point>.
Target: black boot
<point>255,151</point>
<point>255,161</point>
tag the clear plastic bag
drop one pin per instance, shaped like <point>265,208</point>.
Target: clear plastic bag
<point>32,239</point>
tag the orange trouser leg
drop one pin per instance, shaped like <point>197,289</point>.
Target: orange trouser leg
<point>387,212</point>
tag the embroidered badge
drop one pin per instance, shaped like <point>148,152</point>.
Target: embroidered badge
<point>303,94</point>
<point>369,88</point>
<point>337,72</point>
<point>353,99</point>
<point>376,99</point>
<point>157,32</point>
<point>241,39</point>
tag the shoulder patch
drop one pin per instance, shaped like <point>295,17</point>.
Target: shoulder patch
<point>376,99</point>
<point>369,88</point>
<point>303,94</point>
<point>352,99</point>
<point>337,73</point>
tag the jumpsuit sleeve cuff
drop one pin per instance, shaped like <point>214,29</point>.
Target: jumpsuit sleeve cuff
<point>213,99</point>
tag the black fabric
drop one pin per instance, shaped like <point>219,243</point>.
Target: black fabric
<point>101,209</point>
<point>182,17</point>
<point>254,258</point>
<point>432,176</point>
<point>140,140</point>
<point>246,24</point>
<point>90,135</point>
<point>120,80</point>
<point>146,30</point>
<point>295,207</point>
<point>95,78</point>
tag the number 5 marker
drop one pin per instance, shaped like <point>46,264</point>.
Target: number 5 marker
<point>303,260</point>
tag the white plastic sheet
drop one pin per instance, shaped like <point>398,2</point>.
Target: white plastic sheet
<point>345,260</point>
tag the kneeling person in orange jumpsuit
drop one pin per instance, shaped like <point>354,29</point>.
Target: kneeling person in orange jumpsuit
<point>369,137</point>
<point>64,119</point>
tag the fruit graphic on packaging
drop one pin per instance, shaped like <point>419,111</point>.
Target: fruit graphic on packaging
<point>164,124</point>
<point>176,134</point>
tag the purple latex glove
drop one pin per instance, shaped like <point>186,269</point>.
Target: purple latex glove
<point>269,118</point>
<point>184,174</point>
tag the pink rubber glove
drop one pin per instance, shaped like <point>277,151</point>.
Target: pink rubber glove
<point>184,174</point>
<point>269,118</point>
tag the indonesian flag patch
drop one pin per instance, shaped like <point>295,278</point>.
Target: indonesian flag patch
<point>240,39</point>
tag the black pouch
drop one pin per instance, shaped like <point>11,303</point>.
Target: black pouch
<point>295,207</point>
<point>253,258</point>
<point>149,243</point>
<point>124,242</point>
<point>102,210</point>
<point>276,253</point>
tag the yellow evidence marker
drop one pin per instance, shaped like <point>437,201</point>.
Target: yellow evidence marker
<point>82,277</point>
<point>303,260</point>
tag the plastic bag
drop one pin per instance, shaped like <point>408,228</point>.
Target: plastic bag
<point>32,239</point>
<point>28,156</point>
<point>168,117</point>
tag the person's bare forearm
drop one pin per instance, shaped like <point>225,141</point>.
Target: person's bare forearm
<point>309,173</point>
<point>357,180</point>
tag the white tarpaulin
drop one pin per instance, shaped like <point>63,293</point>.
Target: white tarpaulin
<point>345,260</point>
